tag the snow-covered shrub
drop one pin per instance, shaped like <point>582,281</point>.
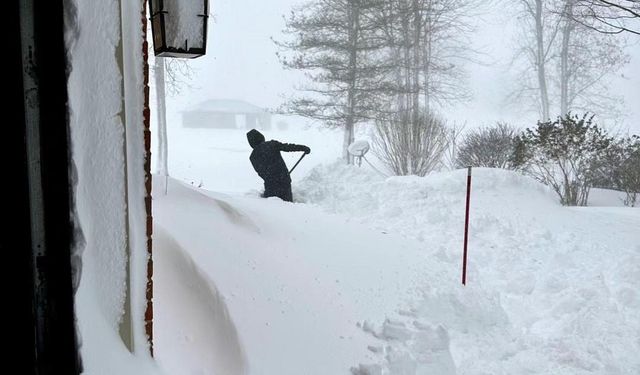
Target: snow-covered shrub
<point>628,174</point>
<point>566,154</point>
<point>621,169</point>
<point>490,147</point>
<point>411,146</point>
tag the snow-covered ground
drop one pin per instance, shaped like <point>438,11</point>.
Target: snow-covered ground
<point>555,288</point>
<point>295,281</point>
<point>362,274</point>
<point>606,198</point>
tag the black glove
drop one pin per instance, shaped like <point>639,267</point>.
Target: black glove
<point>307,150</point>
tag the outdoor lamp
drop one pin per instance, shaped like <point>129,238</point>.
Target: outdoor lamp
<point>179,27</point>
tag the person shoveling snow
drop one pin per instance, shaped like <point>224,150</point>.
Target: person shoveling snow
<point>270,166</point>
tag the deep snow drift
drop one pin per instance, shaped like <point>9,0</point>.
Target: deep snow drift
<point>297,284</point>
<point>558,285</point>
<point>366,277</point>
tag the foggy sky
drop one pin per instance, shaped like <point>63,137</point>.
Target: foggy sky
<point>241,64</point>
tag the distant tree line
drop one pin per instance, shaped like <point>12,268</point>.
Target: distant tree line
<point>564,64</point>
<point>392,63</point>
<point>381,61</point>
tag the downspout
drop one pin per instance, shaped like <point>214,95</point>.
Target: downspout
<point>148,313</point>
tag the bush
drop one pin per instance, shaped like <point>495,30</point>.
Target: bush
<point>627,175</point>
<point>566,154</point>
<point>490,147</point>
<point>409,146</point>
<point>621,169</point>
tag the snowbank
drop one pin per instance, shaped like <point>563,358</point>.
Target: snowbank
<point>193,328</point>
<point>412,205</point>
<point>607,198</point>
<point>372,284</point>
<point>298,284</point>
<point>550,289</point>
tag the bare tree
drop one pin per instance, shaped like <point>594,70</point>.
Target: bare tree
<point>426,46</point>
<point>407,147</point>
<point>608,16</point>
<point>490,147</point>
<point>568,27</point>
<point>178,75</point>
<point>454,134</point>
<point>538,34</point>
<point>586,60</point>
<point>369,59</point>
<point>570,62</point>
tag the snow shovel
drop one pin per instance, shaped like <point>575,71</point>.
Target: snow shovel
<point>298,162</point>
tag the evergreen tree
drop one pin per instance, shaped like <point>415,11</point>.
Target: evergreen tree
<point>329,40</point>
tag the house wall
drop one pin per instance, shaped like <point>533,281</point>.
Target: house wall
<point>104,43</point>
<point>209,120</point>
<point>216,120</point>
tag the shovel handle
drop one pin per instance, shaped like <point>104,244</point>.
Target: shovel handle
<point>298,162</point>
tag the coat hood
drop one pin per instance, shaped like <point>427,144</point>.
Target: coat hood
<point>254,137</point>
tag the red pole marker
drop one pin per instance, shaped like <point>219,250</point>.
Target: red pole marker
<point>466,229</point>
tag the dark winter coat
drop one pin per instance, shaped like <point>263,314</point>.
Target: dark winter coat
<point>270,166</point>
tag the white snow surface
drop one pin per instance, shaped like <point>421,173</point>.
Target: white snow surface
<point>184,24</point>
<point>556,287</point>
<point>606,197</point>
<point>362,275</point>
<point>192,313</point>
<point>107,151</point>
<point>297,283</point>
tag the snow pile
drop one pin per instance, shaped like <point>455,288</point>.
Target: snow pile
<point>298,285</point>
<point>411,205</point>
<point>373,283</point>
<point>193,328</point>
<point>551,289</point>
<point>607,198</point>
